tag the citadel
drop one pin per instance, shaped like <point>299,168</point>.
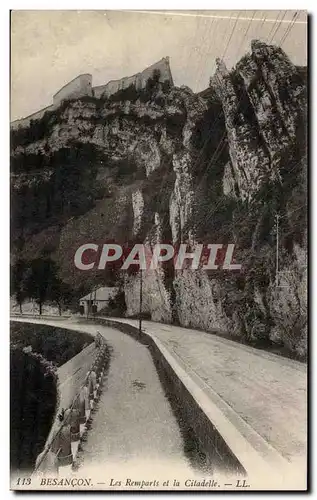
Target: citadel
<point>82,86</point>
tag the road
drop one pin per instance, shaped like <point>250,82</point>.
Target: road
<point>133,428</point>
<point>256,399</point>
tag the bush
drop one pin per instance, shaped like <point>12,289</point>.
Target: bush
<point>128,94</point>
<point>70,190</point>
<point>55,344</point>
<point>289,306</point>
<point>38,129</point>
<point>153,81</point>
<point>117,305</point>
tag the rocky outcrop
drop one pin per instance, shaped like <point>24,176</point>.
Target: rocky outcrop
<point>263,101</point>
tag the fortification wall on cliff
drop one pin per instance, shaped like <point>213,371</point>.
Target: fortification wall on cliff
<point>79,87</point>
<point>139,79</point>
<point>162,66</point>
<point>25,122</point>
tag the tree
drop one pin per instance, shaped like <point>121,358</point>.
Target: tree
<point>58,291</point>
<point>152,82</point>
<point>117,305</point>
<point>151,86</point>
<point>37,281</point>
<point>43,284</point>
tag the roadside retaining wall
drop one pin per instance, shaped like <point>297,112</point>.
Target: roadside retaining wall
<point>210,441</point>
<point>79,393</point>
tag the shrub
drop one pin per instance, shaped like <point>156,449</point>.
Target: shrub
<point>117,305</point>
<point>55,344</point>
<point>289,306</point>
<point>128,94</point>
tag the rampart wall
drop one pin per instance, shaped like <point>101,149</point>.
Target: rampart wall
<point>165,72</point>
<point>139,79</point>
<point>25,122</point>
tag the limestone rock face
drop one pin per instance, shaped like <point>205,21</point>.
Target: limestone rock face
<point>263,101</point>
<point>173,166</point>
<point>229,184</point>
<point>182,197</point>
<point>198,302</point>
<point>138,206</point>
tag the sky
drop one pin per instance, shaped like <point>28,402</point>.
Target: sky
<point>50,48</point>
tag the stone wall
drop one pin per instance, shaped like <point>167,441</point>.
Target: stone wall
<point>139,79</point>
<point>82,86</point>
<point>25,122</point>
<point>79,87</point>
<point>164,68</point>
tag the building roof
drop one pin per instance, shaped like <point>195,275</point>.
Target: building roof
<point>102,293</point>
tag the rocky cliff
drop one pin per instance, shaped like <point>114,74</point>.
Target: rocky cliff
<point>165,164</point>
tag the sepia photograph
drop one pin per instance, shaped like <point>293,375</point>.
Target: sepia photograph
<point>158,250</point>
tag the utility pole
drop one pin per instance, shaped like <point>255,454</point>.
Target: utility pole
<point>277,216</point>
<point>88,303</point>
<point>141,296</point>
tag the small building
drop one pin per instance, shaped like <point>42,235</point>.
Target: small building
<point>96,300</point>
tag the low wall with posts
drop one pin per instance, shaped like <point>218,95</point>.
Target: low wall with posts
<point>182,400</point>
<point>72,423</point>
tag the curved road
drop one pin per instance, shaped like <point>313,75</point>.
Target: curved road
<point>268,392</point>
<point>260,395</point>
<point>133,428</point>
